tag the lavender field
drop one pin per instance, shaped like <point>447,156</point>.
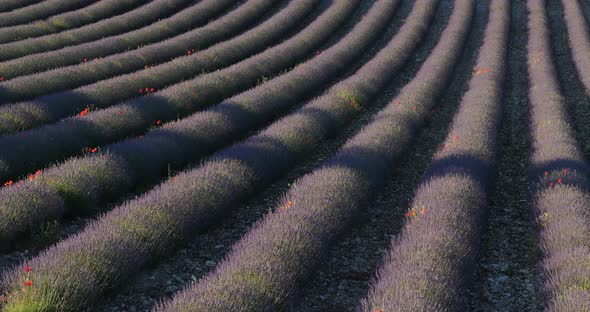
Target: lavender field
<point>294,155</point>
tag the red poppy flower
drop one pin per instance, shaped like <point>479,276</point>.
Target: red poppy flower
<point>140,90</point>
<point>33,176</point>
<point>545,173</point>
<point>3,298</point>
<point>188,52</point>
<point>423,211</point>
<point>29,283</point>
<point>119,113</point>
<point>9,183</point>
<point>158,122</point>
<point>84,112</point>
<point>152,90</point>
<point>410,214</point>
<point>565,170</point>
<point>289,203</point>
<point>27,269</point>
<point>551,184</point>
<point>559,181</point>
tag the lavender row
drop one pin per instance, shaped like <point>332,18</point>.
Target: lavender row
<point>152,225</point>
<point>177,143</point>
<point>10,5</point>
<point>67,78</point>
<point>87,15</point>
<point>39,11</point>
<point>70,136</point>
<point>107,92</point>
<point>191,17</point>
<point>56,41</point>
<point>432,259</point>
<point>264,269</point>
<point>559,177</point>
<point>579,38</point>
<point>16,49</point>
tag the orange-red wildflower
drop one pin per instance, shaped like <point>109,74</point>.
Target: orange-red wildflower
<point>9,183</point>
<point>85,111</point>
<point>34,175</point>
<point>410,214</point>
<point>29,283</point>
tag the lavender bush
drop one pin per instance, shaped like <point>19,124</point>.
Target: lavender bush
<point>203,133</point>
<point>71,135</point>
<point>579,38</point>
<point>559,177</point>
<point>323,203</point>
<point>432,259</point>
<point>113,90</point>
<point>87,15</point>
<point>191,17</point>
<point>177,209</point>
<point>10,5</point>
<point>39,11</point>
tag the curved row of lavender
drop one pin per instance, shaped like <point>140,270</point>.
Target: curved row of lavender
<point>11,5</point>
<point>76,272</point>
<point>263,270</point>
<point>166,27</point>
<point>431,261</point>
<point>73,19</point>
<point>579,39</point>
<point>21,48</point>
<point>67,78</point>
<point>79,185</point>
<point>17,117</point>
<point>69,136</point>
<point>559,177</point>
<point>40,10</point>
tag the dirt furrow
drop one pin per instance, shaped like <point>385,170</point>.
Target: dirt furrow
<point>507,277</point>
